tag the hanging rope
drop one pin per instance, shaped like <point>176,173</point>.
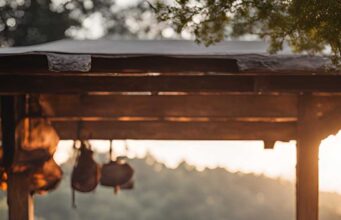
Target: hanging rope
<point>110,151</point>
<point>126,147</point>
<point>27,123</point>
<point>79,128</point>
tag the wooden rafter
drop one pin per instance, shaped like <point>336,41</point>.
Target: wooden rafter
<point>58,83</point>
<point>228,106</point>
<point>178,130</point>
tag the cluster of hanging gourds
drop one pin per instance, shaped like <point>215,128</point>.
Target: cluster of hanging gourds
<point>87,173</point>
<point>37,142</point>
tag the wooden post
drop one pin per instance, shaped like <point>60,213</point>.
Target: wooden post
<point>307,175</point>
<point>20,202</point>
<point>8,122</point>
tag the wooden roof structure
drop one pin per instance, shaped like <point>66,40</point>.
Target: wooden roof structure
<point>179,90</point>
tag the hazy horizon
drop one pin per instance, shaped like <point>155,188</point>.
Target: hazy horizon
<point>235,156</point>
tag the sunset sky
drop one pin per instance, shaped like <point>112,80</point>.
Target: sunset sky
<point>233,155</point>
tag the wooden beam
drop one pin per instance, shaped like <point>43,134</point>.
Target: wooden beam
<point>8,122</point>
<point>273,107</point>
<point>59,83</point>
<point>176,110</point>
<point>327,111</point>
<point>80,84</point>
<point>307,174</point>
<point>178,130</point>
<point>136,64</point>
<point>175,63</point>
<point>318,118</point>
<point>269,144</point>
<point>19,199</point>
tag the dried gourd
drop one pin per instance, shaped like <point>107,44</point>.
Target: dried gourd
<point>37,141</point>
<point>46,178</point>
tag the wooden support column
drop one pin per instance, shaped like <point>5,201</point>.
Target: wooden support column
<point>20,202</point>
<point>19,199</point>
<point>307,174</point>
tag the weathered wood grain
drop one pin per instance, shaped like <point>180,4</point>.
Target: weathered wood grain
<point>18,84</point>
<point>228,106</point>
<point>178,130</point>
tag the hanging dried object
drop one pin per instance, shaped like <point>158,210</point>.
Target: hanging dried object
<point>46,178</point>
<point>44,174</point>
<point>3,174</point>
<point>37,141</point>
<point>116,173</point>
<point>42,179</point>
<point>39,135</point>
<point>85,174</point>
<point>3,179</point>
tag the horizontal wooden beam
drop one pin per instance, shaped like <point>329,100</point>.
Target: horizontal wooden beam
<point>123,64</point>
<point>57,83</point>
<point>225,117</point>
<point>178,130</point>
<point>272,107</point>
<point>172,63</point>
<point>81,84</point>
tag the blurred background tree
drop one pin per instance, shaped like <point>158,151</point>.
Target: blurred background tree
<point>310,26</point>
<point>182,193</point>
<point>27,22</point>
<point>36,21</point>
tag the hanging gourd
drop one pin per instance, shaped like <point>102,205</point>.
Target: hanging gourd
<point>85,174</point>
<point>37,141</point>
<point>3,177</point>
<point>3,174</point>
<point>116,173</point>
<point>46,178</point>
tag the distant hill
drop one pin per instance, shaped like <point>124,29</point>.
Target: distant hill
<point>181,194</point>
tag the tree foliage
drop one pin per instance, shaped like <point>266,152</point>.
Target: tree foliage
<point>27,22</point>
<point>307,25</point>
